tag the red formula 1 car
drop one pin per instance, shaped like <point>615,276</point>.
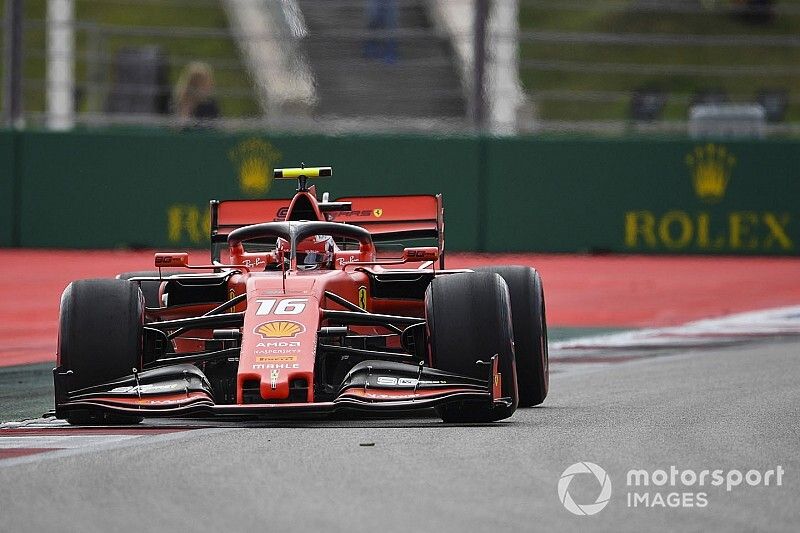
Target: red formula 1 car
<point>321,308</point>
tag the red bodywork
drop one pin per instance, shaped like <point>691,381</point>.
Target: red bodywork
<point>286,311</point>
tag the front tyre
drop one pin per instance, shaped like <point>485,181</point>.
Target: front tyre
<point>150,288</point>
<point>469,319</point>
<point>100,338</point>
<point>530,331</point>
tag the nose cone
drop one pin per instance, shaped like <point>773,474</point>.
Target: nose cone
<point>279,342</point>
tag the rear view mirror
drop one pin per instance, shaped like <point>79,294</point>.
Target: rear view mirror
<point>421,253</point>
<point>172,259</point>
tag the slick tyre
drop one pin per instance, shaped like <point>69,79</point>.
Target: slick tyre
<point>530,331</point>
<point>149,288</point>
<point>100,338</point>
<point>469,319</point>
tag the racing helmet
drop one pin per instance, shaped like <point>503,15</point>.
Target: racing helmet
<point>313,252</point>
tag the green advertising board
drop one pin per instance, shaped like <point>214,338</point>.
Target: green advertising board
<point>135,189</point>
<point>644,196</point>
<point>7,187</point>
<point>107,189</point>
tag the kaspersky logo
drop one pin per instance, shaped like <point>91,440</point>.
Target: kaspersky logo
<point>586,509</point>
<point>710,166</point>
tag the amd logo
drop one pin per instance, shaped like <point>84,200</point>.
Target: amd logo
<point>279,344</point>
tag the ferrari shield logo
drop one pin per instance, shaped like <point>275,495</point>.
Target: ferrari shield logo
<point>362,297</point>
<point>377,212</point>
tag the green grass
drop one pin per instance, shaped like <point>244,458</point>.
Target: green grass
<point>714,22</point>
<point>204,14</point>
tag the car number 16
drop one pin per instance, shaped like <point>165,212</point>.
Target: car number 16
<point>287,306</point>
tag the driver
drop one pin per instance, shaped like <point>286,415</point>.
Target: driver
<point>314,252</point>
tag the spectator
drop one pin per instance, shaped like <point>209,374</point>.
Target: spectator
<point>195,103</point>
<point>756,11</point>
<point>381,15</point>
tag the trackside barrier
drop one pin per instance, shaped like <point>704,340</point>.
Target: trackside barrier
<point>119,188</point>
<point>151,189</point>
<point>644,196</point>
<point>7,187</point>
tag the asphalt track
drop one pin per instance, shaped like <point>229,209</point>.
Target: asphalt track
<point>736,407</point>
<point>647,399</point>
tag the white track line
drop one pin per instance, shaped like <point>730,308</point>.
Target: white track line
<point>99,446</point>
<point>780,322</point>
<point>60,441</point>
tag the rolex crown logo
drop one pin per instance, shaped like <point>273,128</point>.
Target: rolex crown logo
<point>254,175</point>
<point>254,159</point>
<point>711,169</point>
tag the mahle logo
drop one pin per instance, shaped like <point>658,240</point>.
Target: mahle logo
<point>254,159</point>
<point>711,170</point>
<point>586,509</point>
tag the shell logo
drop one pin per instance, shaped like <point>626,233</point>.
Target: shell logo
<point>279,329</point>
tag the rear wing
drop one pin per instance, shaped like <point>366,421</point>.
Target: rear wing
<point>395,217</point>
<point>385,217</point>
<point>228,215</point>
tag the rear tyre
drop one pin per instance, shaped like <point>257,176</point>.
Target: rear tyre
<point>469,319</point>
<point>530,331</point>
<point>100,338</point>
<point>149,288</point>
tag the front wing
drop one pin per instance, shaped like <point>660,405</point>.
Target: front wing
<point>183,391</point>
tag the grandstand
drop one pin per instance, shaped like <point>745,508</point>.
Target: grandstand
<point>597,66</point>
<point>185,30</point>
<point>581,61</point>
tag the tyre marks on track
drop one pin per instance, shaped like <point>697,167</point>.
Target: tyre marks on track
<point>581,353</point>
<point>32,440</point>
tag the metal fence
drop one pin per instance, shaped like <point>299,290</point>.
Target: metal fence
<point>614,67</point>
<point>278,64</point>
<point>607,67</point>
